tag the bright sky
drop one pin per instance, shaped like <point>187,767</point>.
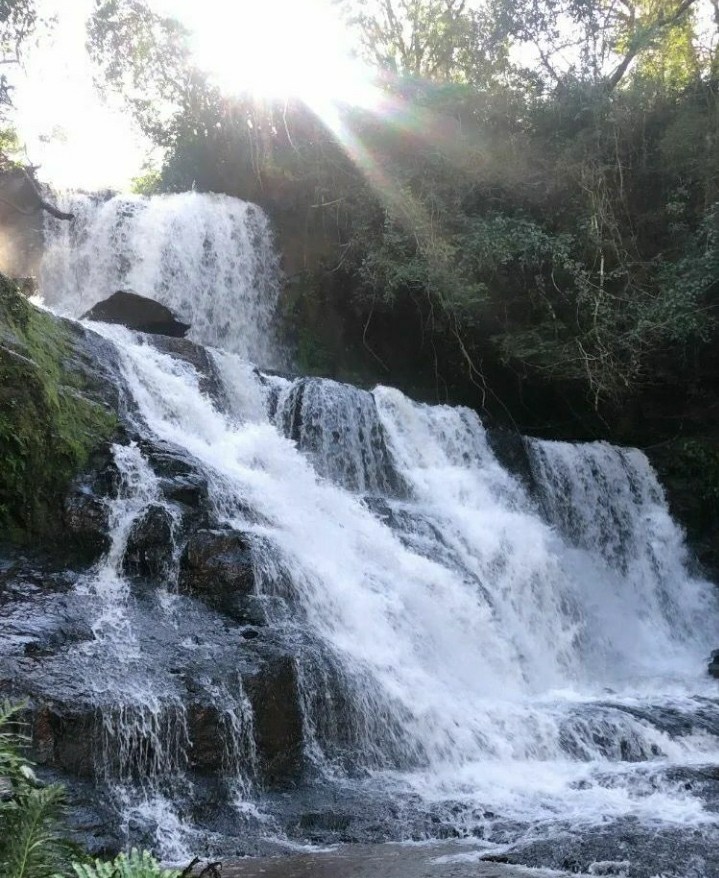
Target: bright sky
<point>270,47</point>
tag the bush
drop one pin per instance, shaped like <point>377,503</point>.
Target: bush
<point>136,864</point>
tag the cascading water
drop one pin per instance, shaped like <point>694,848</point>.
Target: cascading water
<point>525,667</point>
<point>208,257</point>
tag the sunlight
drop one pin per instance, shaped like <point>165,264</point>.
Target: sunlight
<point>275,49</point>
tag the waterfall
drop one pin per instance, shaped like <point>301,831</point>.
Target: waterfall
<point>474,634</point>
<point>510,662</point>
<point>210,258</point>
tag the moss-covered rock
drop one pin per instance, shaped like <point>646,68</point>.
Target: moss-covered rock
<point>51,416</point>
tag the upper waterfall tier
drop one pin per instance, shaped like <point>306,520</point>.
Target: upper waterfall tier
<point>209,257</point>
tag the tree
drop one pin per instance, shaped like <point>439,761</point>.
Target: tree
<point>593,41</point>
<point>441,40</point>
<point>144,57</point>
<point>18,20</point>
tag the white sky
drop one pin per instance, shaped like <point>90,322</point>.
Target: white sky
<point>90,144</point>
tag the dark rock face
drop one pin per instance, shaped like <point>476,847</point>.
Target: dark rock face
<point>206,738</point>
<point>85,517</point>
<point>713,667</point>
<point>139,313</point>
<point>278,727</point>
<point>64,739</point>
<point>511,451</point>
<point>217,566</point>
<point>150,545</point>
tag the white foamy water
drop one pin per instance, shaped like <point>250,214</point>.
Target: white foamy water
<point>480,646</point>
<point>208,257</point>
<point>468,646</point>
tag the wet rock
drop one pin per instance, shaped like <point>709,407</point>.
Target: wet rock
<point>191,491</point>
<point>65,740</point>
<point>206,731</point>
<point>250,633</point>
<point>180,479</point>
<point>169,461</point>
<point>217,566</point>
<point>713,667</point>
<point>54,637</point>
<point>325,820</point>
<point>200,360</point>
<point>510,449</point>
<point>137,312</point>
<point>150,544</point>
<point>85,518</point>
<point>274,695</point>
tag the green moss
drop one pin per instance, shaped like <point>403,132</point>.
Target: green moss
<point>48,425</point>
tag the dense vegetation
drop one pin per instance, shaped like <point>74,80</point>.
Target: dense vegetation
<point>531,214</point>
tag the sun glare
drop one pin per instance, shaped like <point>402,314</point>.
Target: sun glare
<point>275,49</point>
<point>271,49</point>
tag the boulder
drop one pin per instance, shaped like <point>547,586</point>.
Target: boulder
<point>64,739</point>
<point>85,518</point>
<point>139,313</point>
<point>180,479</point>
<point>274,695</point>
<point>713,667</point>
<point>150,544</point>
<point>199,358</point>
<point>217,567</point>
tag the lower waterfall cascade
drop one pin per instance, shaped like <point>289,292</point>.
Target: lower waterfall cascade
<point>518,659</point>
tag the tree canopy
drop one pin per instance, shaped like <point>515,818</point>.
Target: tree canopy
<point>541,201</point>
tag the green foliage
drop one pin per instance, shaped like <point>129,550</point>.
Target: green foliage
<point>685,307</point>
<point>148,183</point>
<point>552,217</point>
<point>444,40</point>
<point>18,19</point>
<point>697,462</point>
<point>34,847</point>
<point>12,765</point>
<point>142,55</point>
<point>136,864</point>
<point>32,829</point>
<point>31,841</point>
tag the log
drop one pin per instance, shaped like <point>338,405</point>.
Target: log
<point>45,205</point>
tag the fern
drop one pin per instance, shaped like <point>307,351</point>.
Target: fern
<point>33,847</point>
<point>30,814</point>
<point>136,864</point>
<point>12,765</point>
